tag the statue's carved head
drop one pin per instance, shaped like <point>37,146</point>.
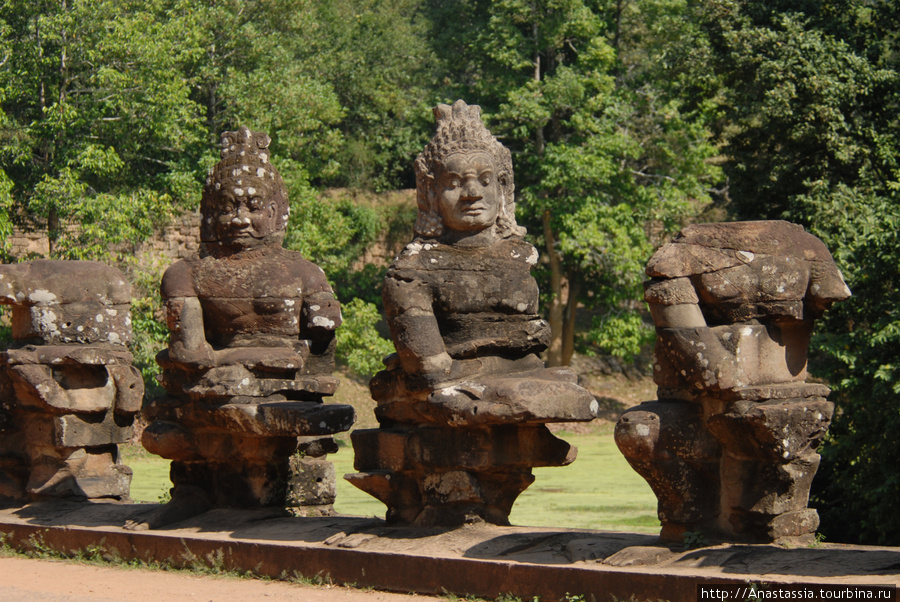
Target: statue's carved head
<point>244,202</point>
<point>464,177</point>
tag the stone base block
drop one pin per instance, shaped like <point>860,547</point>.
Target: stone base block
<point>311,482</point>
<point>441,476</point>
<point>72,430</point>
<point>86,473</point>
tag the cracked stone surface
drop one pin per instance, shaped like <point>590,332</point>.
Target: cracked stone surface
<point>464,403</point>
<point>68,388</point>
<point>251,351</point>
<point>729,447</point>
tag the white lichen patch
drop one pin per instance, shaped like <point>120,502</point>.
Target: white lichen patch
<point>413,248</point>
<point>289,302</point>
<point>42,296</point>
<point>99,318</point>
<point>533,258</point>
<point>642,430</point>
<point>521,307</point>
<point>323,322</point>
<point>47,322</point>
<point>314,308</point>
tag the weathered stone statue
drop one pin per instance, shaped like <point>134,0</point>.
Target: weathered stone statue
<point>464,402</point>
<point>250,354</point>
<point>68,390</point>
<point>729,448</point>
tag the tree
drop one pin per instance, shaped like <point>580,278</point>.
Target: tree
<point>250,67</point>
<point>810,121</point>
<point>96,118</point>
<point>377,58</point>
<point>604,164</point>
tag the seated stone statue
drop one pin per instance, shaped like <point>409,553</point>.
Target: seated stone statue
<point>251,349</point>
<point>462,308</point>
<point>68,390</point>
<point>730,447</point>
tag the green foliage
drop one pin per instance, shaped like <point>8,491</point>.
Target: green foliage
<point>694,540</point>
<point>96,117</point>
<point>250,66</point>
<point>376,57</point>
<point>358,343</point>
<point>6,205</point>
<point>622,334</point>
<point>333,232</point>
<point>148,323</point>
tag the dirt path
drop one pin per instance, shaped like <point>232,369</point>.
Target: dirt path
<point>27,580</point>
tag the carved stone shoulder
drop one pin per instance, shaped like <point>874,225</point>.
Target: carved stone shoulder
<point>179,279</point>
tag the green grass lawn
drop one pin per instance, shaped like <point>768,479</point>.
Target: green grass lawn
<point>598,491</point>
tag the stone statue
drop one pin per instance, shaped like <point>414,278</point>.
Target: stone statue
<point>250,354</point>
<point>68,389</point>
<point>729,448</point>
<point>463,403</point>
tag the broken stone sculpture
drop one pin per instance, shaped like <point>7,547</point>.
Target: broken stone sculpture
<point>68,390</point>
<point>250,354</point>
<point>463,404</point>
<point>729,448</point>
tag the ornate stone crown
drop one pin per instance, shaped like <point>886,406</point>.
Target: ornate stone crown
<point>245,170</point>
<point>460,130</point>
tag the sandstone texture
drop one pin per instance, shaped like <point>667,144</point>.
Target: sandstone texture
<point>729,447</point>
<point>68,390</point>
<point>250,355</point>
<point>464,403</point>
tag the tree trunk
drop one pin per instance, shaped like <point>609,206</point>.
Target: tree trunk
<point>568,325</point>
<point>555,314</point>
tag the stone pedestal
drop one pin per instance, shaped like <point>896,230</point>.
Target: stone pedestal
<point>246,451</point>
<point>465,451</point>
<point>69,389</point>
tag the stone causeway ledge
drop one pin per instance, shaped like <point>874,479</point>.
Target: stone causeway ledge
<point>480,559</point>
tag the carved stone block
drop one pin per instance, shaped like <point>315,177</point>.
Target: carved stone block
<point>732,451</point>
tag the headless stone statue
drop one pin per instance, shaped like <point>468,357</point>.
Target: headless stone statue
<point>464,402</point>
<point>729,448</point>
<point>250,354</point>
<point>68,389</point>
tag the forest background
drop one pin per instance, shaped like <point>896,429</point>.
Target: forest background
<point>627,119</point>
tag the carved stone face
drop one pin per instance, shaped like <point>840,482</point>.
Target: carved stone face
<point>244,218</point>
<point>469,192</point>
